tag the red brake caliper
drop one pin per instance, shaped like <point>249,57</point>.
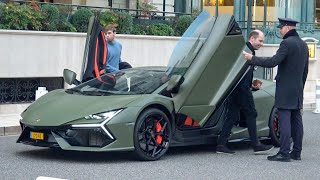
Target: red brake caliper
<point>275,125</point>
<point>158,129</point>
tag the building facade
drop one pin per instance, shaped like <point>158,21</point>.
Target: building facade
<point>302,10</point>
<point>263,14</point>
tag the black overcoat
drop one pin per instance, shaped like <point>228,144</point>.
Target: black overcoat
<point>292,60</point>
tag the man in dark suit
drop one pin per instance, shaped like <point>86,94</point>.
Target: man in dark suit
<point>292,61</point>
<point>242,99</point>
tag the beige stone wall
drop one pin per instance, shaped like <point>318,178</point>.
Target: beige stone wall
<point>46,54</point>
<point>39,54</point>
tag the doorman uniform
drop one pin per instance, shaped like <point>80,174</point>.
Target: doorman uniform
<point>292,61</point>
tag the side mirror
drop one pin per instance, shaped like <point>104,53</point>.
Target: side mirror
<point>70,77</point>
<point>174,83</point>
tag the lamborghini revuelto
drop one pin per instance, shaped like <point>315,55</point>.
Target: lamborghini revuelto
<point>149,109</point>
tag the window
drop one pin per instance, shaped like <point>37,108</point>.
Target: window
<point>258,10</point>
<point>261,2</point>
<point>225,6</point>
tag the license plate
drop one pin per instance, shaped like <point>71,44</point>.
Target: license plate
<point>37,135</point>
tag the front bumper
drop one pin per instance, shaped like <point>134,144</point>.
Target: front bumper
<point>66,136</point>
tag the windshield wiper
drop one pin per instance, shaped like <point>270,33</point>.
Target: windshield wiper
<point>71,91</point>
<point>96,93</point>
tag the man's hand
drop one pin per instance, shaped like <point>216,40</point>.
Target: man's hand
<point>248,56</point>
<point>256,84</point>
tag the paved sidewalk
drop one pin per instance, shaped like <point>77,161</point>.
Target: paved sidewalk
<point>9,124</point>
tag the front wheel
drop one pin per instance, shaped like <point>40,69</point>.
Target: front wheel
<point>274,127</point>
<point>152,135</point>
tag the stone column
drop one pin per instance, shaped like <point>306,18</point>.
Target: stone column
<point>310,11</point>
<point>304,11</point>
<point>239,11</point>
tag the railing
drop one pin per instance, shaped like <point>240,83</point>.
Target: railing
<point>22,90</point>
<point>136,13</point>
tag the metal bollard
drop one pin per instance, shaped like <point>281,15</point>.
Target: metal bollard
<point>317,110</point>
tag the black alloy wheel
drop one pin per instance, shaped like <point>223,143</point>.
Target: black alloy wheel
<point>274,127</point>
<point>152,135</point>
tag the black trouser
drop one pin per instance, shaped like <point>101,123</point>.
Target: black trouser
<point>290,122</point>
<point>240,99</point>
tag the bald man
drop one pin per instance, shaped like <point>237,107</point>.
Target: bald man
<point>242,99</point>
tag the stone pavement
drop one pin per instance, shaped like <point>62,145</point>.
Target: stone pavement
<point>9,123</point>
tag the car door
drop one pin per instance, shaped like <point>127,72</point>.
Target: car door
<point>95,52</point>
<point>209,57</point>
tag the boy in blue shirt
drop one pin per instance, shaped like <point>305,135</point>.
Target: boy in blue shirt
<point>114,50</point>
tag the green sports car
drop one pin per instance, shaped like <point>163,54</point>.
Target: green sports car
<point>149,109</point>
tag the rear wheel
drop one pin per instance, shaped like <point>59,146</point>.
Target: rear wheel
<point>152,135</point>
<point>274,127</point>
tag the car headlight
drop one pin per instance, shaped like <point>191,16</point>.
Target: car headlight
<point>106,116</point>
<point>102,116</point>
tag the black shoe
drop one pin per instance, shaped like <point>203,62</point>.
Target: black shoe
<point>221,149</point>
<point>295,156</point>
<point>262,149</point>
<point>279,157</point>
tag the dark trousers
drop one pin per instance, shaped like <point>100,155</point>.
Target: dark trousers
<point>240,99</point>
<point>290,122</point>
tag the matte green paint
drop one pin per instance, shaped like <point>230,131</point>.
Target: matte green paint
<point>58,107</point>
<point>220,64</point>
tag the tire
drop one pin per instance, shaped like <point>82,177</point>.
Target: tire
<point>274,127</point>
<point>152,135</point>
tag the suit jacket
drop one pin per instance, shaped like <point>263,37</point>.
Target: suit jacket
<point>246,82</point>
<point>292,59</point>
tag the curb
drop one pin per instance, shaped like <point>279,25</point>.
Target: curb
<point>10,130</point>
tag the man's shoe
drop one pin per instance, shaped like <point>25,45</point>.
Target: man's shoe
<point>221,149</point>
<point>295,156</point>
<point>279,157</point>
<point>262,149</point>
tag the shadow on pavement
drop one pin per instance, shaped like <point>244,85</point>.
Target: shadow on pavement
<point>116,157</point>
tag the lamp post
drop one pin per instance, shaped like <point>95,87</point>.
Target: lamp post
<point>265,4</point>
<point>249,22</point>
<point>286,9</point>
<point>217,8</point>
<point>164,8</point>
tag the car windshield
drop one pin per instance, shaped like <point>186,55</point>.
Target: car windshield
<point>146,80</point>
<point>190,44</point>
<point>133,81</point>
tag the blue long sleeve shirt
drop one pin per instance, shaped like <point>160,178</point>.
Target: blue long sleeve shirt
<point>114,56</point>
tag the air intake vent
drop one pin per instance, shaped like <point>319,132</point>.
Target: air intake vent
<point>234,28</point>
